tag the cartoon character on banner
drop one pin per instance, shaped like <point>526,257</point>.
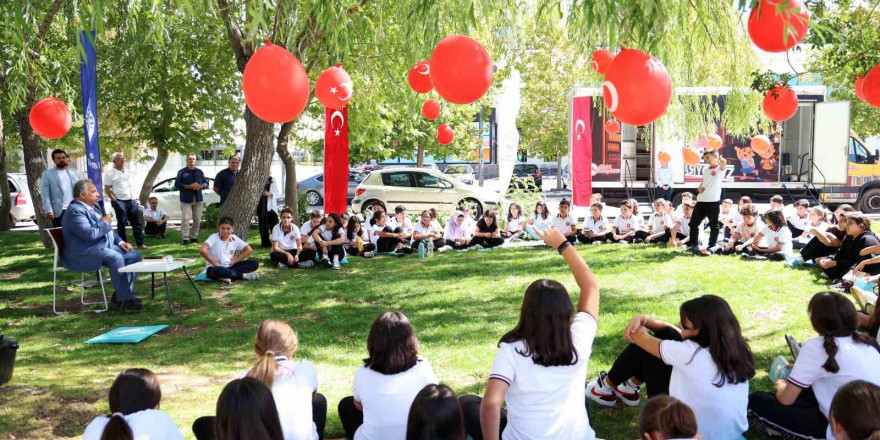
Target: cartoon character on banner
<point>746,156</point>
<point>768,159</point>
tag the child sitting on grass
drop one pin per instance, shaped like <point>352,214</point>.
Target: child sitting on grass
<point>564,222</point>
<point>824,244</point>
<point>815,226</point>
<point>329,239</point>
<point>859,237</point>
<point>286,245</point>
<point>659,223</point>
<point>309,250</point>
<point>226,255</point>
<point>744,233</point>
<point>628,227</point>
<point>426,231</point>
<point>388,239</point>
<point>729,217</point>
<point>596,229</point>
<point>680,233</point>
<point>852,409</point>
<point>686,197</point>
<point>353,231</point>
<point>777,237</point>
<point>513,227</point>
<point>456,235</point>
<point>487,234</point>
<point>799,222</point>
<point>539,220</point>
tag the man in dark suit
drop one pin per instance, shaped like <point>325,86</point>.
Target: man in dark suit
<point>89,243</point>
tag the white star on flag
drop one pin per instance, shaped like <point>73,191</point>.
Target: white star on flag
<point>337,132</point>
<point>333,90</point>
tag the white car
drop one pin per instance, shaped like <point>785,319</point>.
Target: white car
<point>418,189</point>
<point>461,171</point>
<point>169,197</point>
<point>22,209</point>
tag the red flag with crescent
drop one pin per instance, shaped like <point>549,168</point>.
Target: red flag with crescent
<point>336,160</point>
<point>581,151</point>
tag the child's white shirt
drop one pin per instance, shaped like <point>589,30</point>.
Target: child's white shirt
<point>223,251</point>
<point>598,227</point>
<point>659,222</point>
<point>624,225</point>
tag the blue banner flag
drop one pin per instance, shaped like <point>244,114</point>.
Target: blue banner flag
<point>89,74</point>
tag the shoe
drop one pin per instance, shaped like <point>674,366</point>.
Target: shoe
<point>793,261</point>
<point>335,266</point>
<point>698,251</point>
<point>843,286</point>
<point>184,242</point>
<point>326,262</point>
<point>143,246</point>
<point>251,276</point>
<point>599,393</point>
<point>477,247</point>
<point>306,264</point>
<point>282,266</point>
<point>628,393</point>
<point>344,261</point>
<point>609,241</point>
<point>444,248</point>
<point>228,281</point>
<point>131,304</point>
<point>368,254</point>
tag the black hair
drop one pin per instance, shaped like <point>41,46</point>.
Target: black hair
<point>349,228</point>
<point>802,202</point>
<point>834,316</point>
<point>859,219</point>
<point>399,209</point>
<point>852,407</point>
<point>314,214</point>
<point>392,345</point>
<point>748,209</point>
<point>226,221</point>
<point>482,226</point>
<point>435,414</point>
<point>565,202</point>
<point>598,206</point>
<point>136,389</point>
<point>336,220</point>
<point>518,210</point>
<point>434,213</point>
<point>544,325</point>
<point>745,199</point>
<point>286,210</point>
<point>719,331</point>
<point>153,198</point>
<point>777,199</point>
<point>775,217</point>
<point>626,203</point>
<point>246,410</point>
<point>57,151</point>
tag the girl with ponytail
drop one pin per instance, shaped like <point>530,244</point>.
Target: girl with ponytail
<point>855,411</point>
<point>134,404</point>
<point>665,417</point>
<point>826,363</point>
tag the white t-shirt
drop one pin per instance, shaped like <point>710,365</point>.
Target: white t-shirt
<point>711,185</point>
<point>292,389</point>
<point>684,225</point>
<point>541,222</point>
<point>547,402</point>
<point>732,216</point>
<point>746,232</point>
<point>782,236</point>
<point>596,226</point>
<point>155,215</point>
<point>365,237</point>
<point>516,224</point>
<point>800,223</point>
<point>405,226</point>
<point>119,183</point>
<point>374,233</point>
<point>721,412</point>
<point>430,229</point>
<point>564,224</point>
<point>288,241</point>
<point>386,399</point>
<point>223,251</point>
<point>659,222</point>
<point>624,225</point>
<point>857,362</point>
<point>327,234</point>
<point>149,424</point>
<point>306,231</point>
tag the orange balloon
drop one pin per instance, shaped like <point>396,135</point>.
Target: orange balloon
<point>713,142</point>
<point>691,157</point>
<point>664,157</point>
<point>761,145</point>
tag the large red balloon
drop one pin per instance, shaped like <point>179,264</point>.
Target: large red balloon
<point>860,83</point>
<point>778,32</point>
<point>782,106</point>
<point>612,127</point>
<point>690,156</point>
<point>637,88</point>
<point>602,58</point>
<point>420,77</point>
<point>275,84</point>
<point>431,109</point>
<point>713,141</point>
<point>871,87</point>
<point>461,69</point>
<point>50,118</point>
<point>334,87</point>
<point>761,144</point>
<point>445,134</point>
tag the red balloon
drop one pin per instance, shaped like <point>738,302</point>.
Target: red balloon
<point>431,109</point>
<point>275,84</point>
<point>50,118</point>
<point>602,58</point>
<point>461,69</point>
<point>761,144</point>
<point>334,87</point>
<point>420,77</point>
<point>612,127</point>
<point>637,88</point>
<point>713,141</point>
<point>778,31</point>
<point>782,106</point>
<point>690,156</point>
<point>445,135</point>
<point>860,82</point>
<point>871,87</point>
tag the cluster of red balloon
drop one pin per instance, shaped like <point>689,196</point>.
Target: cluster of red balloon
<point>868,87</point>
<point>637,87</point>
<point>780,103</point>
<point>50,118</point>
<point>460,70</point>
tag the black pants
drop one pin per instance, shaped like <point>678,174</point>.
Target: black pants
<point>266,220</point>
<point>307,254</point>
<point>351,417</point>
<point>455,245</point>
<point>600,238</point>
<point>438,243</point>
<point>802,418</point>
<point>128,211</point>
<point>836,272</point>
<point>203,427</point>
<point>334,250</point>
<point>795,231</point>
<point>388,244</point>
<point>665,194</point>
<point>775,256</point>
<point>152,228</point>
<point>470,410</point>
<point>704,210</point>
<point>487,242</point>
<point>235,271</point>
<point>638,235</point>
<point>633,361</point>
<point>353,250</point>
<point>278,257</point>
<point>816,249</point>
<point>56,221</point>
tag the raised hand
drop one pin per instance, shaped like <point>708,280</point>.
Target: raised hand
<point>552,237</point>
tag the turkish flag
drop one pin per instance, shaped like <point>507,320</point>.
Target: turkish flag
<point>581,133</point>
<point>336,160</point>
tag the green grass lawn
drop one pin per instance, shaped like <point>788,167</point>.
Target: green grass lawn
<point>459,303</point>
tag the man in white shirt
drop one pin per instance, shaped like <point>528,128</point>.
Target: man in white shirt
<point>156,219</point>
<point>708,201</point>
<point>56,187</point>
<point>118,186</point>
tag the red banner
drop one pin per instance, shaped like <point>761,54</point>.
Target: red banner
<point>336,160</point>
<point>581,133</point>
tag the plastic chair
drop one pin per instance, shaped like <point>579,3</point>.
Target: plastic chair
<point>58,242</point>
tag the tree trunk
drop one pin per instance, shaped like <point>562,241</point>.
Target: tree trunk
<point>291,198</point>
<point>34,165</point>
<point>155,169</point>
<point>255,165</point>
<point>420,156</point>
<point>6,201</point>
<point>558,171</point>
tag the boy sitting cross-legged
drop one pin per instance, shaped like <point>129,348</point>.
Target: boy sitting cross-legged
<point>226,255</point>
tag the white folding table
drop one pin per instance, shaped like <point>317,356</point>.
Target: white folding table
<point>155,266</point>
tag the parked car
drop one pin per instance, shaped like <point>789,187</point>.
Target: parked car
<point>526,172</point>
<point>22,209</point>
<point>169,197</point>
<point>426,165</point>
<point>418,189</point>
<point>313,187</point>
<point>463,172</point>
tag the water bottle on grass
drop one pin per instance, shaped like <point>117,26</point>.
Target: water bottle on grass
<point>430,248</point>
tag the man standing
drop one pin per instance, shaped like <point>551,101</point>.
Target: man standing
<point>89,243</point>
<point>225,179</point>
<point>117,186</point>
<point>56,187</point>
<point>190,182</point>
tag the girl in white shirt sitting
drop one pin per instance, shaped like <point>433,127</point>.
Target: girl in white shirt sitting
<point>706,364</point>
<point>329,238</point>
<point>539,220</point>
<point>435,415</point>
<point>354,230</point>
<point>664,417</point>
<point>384,388</point>
<point>427,230</point>
<point>777,239</point>
<point>816,225</point>
<point>513,227</point>
<point>839,355</point>
<point>541,364</point>
<point>134,402</point>
<point>457,235</point>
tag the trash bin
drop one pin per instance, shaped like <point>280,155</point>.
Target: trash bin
<point>8,347</point>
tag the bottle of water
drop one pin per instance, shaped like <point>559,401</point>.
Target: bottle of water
<point>422,250</point>
<point>430,248</point>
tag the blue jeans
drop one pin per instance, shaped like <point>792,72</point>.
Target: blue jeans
<point>128,210</point>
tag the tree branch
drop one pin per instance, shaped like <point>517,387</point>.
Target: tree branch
<point>279,19</point>
<point>310,34</point>
<point>233,32</point>
<point>44,26</point>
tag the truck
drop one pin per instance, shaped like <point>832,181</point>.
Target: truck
<point>814,155</point>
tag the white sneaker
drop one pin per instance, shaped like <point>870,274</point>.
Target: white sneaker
<point>628,393</point>
<point>368,254</point>
<point>444,248</point>
<point>282,266</point>
<point>251,276</point>
<point>306,264</point>
<point>477,246</point>
<point>599,393</point>
<point>335,265</point>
